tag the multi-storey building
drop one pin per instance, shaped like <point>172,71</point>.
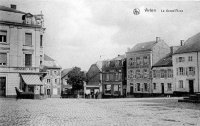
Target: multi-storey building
<point>114,77</point>
<point>186,62</point>
<point>162,75</point>
<point>52,80</point>
<point>140,60</point>
<point>94,79</point>
<point>21,51</point>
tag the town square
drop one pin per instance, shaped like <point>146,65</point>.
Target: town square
<point>99,112</point>
<point>99,63</point>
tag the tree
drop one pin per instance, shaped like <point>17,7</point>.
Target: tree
<point>76,78</point>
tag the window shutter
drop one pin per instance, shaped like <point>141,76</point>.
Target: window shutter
<point>177,60</point>
<point>176,71</point>
<point>187,71</point>
<point>3,58</point>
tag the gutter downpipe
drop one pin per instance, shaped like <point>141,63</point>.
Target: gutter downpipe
<point>198,69</point>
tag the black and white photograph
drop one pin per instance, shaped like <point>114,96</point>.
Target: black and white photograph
<point>99,63</point>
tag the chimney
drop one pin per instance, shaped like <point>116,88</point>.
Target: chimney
<point>118,55</point>
<point>157,39</point>
<point>182,42</point>
<point>13,6</point>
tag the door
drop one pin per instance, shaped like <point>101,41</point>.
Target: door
<point>162,88</point>
<point>48,92</point>
<point>191,86</point>
<point>2,86</point>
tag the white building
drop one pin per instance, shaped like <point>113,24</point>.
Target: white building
<point>21,51</point>
<point>186,62</point>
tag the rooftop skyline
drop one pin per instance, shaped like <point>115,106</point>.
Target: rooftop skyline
<point>79,32</point>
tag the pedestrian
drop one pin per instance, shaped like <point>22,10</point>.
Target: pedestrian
<point>96,95</point>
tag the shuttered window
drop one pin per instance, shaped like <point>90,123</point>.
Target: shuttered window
<point>3,59</point>
<point>28,59</point>
<point>28,39</point>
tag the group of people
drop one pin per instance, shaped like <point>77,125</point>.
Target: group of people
<point>92,95</point>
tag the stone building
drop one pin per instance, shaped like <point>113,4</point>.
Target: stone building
<point>21,51</point>
<point>94,77</point>
<point>186,62</point>
<point>114,77</point>
<point>140,60</point>
<point>52,80</point>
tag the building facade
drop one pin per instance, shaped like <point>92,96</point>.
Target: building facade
<point>114,77</point>
<point>52,81</point>
<point>186,66</point>
<point>94,80</point>
<point>21,51</point>
<point>162,76</point>
<point>140,60</point>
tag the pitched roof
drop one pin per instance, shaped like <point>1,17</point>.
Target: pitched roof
<point>4,8</point>
<point>47,58</point>
<point>145,46</point>
<point>191,45</point>
<point>65,72</point>
<point>50,63</point>
<point>119,57</point>
<point>165,61</point>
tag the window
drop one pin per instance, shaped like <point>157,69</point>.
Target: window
<point>191,71</point>
<point>154,86</point>
<point>169,86</point>
<point>154,73</point>
<point>145,86</point>
<point>145,73</point>
<point>138,60</point>
<point>145,58</point>
<point>40,59</point>
<point>180,83</point>
<point>180,69</point>
<point>181,59</point>
<point>169,73</point>
<point>3,59</point>
<point>48,81</point>
<point>138,86</point>
<point>162,74</point>
<point>3,35</point>
<point>28,39</point>
<point>138,74</point>
<point>190,58</point>
<point>41,40</point>
<point>28,59</point>
<point>55,72</point>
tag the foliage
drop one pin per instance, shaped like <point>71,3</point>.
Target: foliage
<point>76,77</point>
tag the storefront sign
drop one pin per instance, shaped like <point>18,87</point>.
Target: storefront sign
<point>25,68</point>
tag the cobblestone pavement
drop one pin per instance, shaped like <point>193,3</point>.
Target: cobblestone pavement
<point>99,112</point>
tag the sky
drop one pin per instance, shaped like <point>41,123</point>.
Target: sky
<point>82,32</point>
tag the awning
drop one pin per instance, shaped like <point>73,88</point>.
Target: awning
<point>32,79</point>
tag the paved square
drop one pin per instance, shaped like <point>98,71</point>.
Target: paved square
<point>99,112</point>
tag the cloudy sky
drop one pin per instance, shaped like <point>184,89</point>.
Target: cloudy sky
<point>79,32</point>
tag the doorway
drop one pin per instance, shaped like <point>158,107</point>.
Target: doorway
<point>191,86</point>
<point>162,88</point>
<point>48,93</point>
<point>2,86</point>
